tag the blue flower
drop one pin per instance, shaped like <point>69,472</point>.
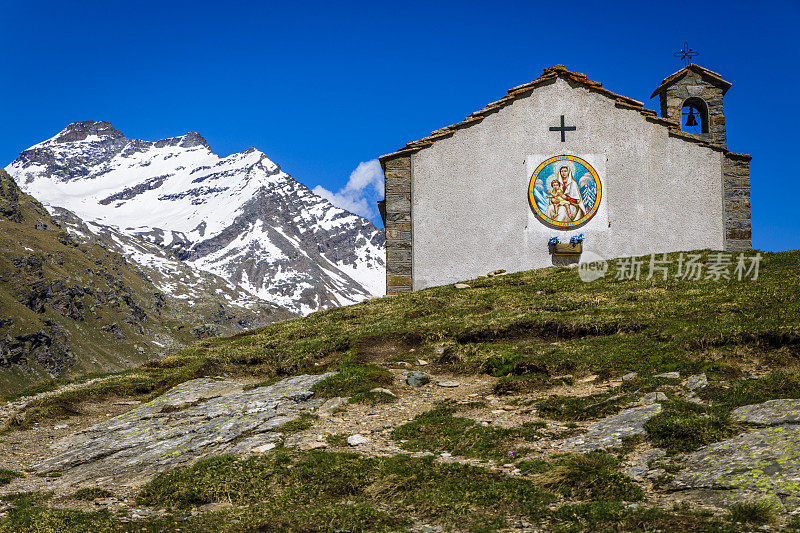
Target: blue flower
<point>577,239</point>
<point>553,240</point>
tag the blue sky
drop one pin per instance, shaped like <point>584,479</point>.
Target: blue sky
<point>322,87</point>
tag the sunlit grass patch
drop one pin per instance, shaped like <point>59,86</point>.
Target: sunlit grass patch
<point>781,383</point>
<point>7,476</point>
<point>323,484</point>
<point>438,430</point>
<point>615,516</point>
<point>357,382</point>
<point>583,407</point>
<point>591,476</point>
<point>756,512</point>
<point>338,440</point>
<point>29,513</point>
<point>684,426</point>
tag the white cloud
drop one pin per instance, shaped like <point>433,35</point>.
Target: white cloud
<point>364,188</point>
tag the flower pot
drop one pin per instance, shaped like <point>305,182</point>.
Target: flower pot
<point>567,249</point>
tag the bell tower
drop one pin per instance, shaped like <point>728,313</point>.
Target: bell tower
<point>692,98</point>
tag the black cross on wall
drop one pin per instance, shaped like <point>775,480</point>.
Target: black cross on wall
<point>563,129</point>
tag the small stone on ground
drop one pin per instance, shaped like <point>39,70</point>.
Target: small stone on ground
<point>698,381</point>
<point>417,378</point>
<point>357,440</point>
<point>653,397</point>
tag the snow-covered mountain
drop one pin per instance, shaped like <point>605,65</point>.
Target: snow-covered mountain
<point>239,217</point>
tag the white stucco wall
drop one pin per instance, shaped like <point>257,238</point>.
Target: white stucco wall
<point>470,190</point>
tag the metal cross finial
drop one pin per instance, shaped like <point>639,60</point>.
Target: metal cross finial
<point>686,54</point>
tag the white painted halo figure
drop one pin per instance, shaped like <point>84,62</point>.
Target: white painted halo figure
<point>563,184</point>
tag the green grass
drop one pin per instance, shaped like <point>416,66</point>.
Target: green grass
<point>592,476</point>
<point>357,382</point>
<point>337,439</point>
<point>533,466</point>
<point>302,491</point>
<point>684,426</point>
<point>7,476</point>
<point>325,491</point>
<point>583,407</point>
<point>439,431</point>
<point>614,516</point>
<point>31,514</point>
<point>781,383</point>
<point>757,512</point>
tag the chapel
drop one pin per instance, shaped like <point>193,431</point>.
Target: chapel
<point>562,157</point>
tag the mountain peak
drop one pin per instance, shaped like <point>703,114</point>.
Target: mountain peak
<point>192,139</point>
<point>78,131</point>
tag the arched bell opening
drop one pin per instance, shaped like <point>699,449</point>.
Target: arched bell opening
<point>694,116</point>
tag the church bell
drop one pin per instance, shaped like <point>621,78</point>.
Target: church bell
<point>690,120</point>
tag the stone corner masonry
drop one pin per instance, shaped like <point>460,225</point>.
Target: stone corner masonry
<point>398,171</point>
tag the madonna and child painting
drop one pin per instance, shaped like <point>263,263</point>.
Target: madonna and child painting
<point>565,191</point>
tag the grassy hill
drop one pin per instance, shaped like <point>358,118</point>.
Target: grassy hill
<point>535,331</point>
<point>527,327</point>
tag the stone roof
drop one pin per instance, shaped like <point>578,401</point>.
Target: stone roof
<point>549,75</point>
<point>713,77</point>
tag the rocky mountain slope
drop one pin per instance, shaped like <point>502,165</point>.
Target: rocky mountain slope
<point>74,306</point>
<point>524,402</point>
<point>239,217</point>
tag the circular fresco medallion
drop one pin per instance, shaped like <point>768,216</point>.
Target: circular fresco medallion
<point>565,191</point>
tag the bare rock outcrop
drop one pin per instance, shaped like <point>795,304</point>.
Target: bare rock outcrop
<point>609,432</point>
<point>196,419</point>
<point>761,463</point>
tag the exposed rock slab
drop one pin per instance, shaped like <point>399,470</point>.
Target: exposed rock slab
<point>200,418</point>
<point>760,463</point>
<point>770,413</point>
<point>609,432</point>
